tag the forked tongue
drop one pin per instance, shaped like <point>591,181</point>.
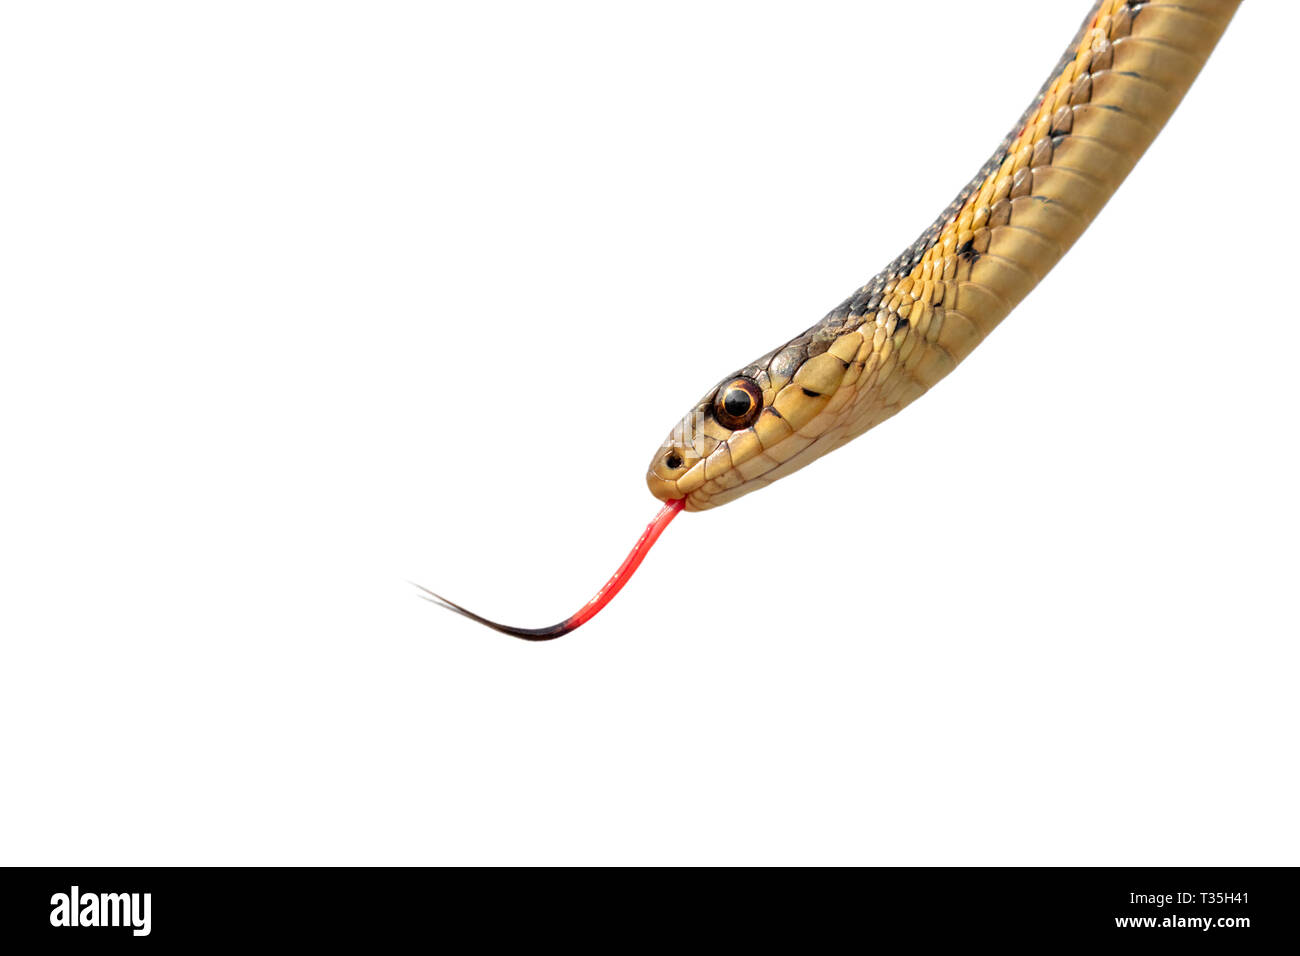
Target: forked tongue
<point>593,607</point>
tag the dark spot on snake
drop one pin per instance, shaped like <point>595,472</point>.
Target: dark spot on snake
<point>967,251</point>
<point>811,394</point>
<point>673,461</point>
<point>900,325</point>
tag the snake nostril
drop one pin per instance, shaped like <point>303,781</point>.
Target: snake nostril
<point>673,461</point>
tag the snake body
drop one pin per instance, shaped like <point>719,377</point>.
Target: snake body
<point>891,340</point>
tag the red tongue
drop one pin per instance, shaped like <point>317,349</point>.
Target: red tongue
<point>589,610</point>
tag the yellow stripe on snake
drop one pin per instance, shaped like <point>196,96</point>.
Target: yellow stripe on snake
<point>891,340</point>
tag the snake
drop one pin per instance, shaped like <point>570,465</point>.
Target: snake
<point>1119,80</point>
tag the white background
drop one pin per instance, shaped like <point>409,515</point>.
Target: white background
<point>302,301</point>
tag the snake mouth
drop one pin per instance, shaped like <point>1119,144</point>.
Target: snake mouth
<point>665,489</point>
<point>689,479</point>
<point>666,514</point>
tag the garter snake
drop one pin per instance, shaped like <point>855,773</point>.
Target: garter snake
<point>884,346</point>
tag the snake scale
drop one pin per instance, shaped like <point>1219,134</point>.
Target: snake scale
<point>885,345</point>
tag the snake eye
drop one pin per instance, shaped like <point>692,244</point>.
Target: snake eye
<point>738,404</point>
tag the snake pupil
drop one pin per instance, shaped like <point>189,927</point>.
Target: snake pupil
<point>673,461</point>
<point>737,402</point>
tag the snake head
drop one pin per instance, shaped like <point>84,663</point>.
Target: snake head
<point>770,418</point>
